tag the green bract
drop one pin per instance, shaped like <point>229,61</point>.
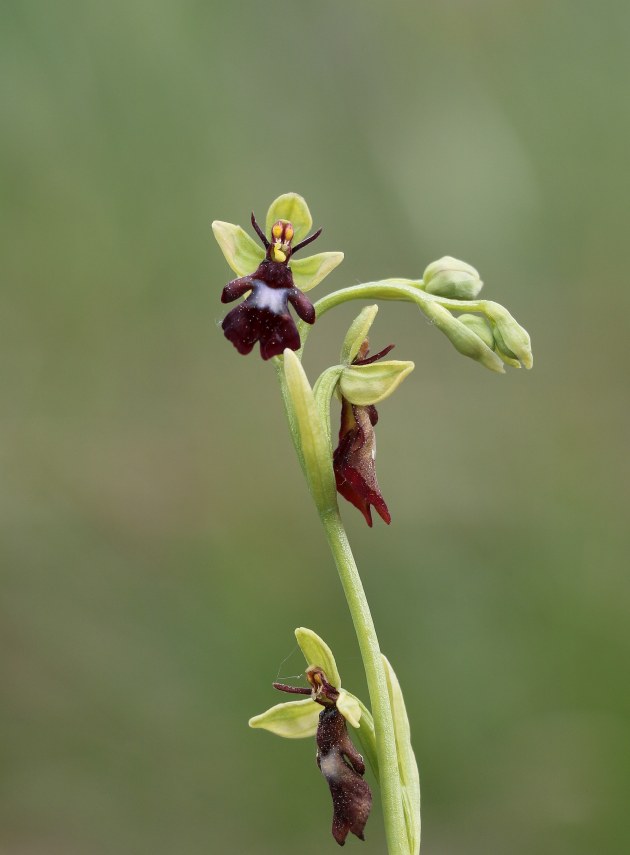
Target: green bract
<point>363,385</point>
<point>409,777</point>
<point>312,434</point>
<point>449,277</point>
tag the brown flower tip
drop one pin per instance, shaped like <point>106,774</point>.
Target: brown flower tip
<point>354,458</point>
<point>264,315</point>
<point>343,767</point>
<point>353,461</point>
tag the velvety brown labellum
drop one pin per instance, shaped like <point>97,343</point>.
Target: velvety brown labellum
<point>264,315</point>
<point>343,767</point>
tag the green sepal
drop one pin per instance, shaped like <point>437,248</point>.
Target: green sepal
<point>292,208</point>
<point>357,333</point>
<point>309,272</point>
<point>291,719</point>
<point>479,326</point>
<point>349,707</point>
<point>407,765</point>
<point>363,385</point>
<point>312,436</point>
<point>317,652</point>
<point>450,277</point>
<point>241,252</point>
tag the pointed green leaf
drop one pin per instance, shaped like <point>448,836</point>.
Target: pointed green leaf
<point>293,208</point>
<point>309,272</point>
<point>292,719</point>
<point>240,251</point>
<point>317,652</point>
<point>356,335</point>
<point>409,777</point>
<point>312,436</point>
<point>368,384</point>
<point>349,707</point>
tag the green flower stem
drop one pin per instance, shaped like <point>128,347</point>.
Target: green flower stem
<point>389,774</point>
<point>435,308</point>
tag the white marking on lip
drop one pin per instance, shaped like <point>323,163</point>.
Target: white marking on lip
<point>273,299</point>
<point>328,766</point>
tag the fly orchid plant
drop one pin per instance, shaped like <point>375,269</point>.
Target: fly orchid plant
<point>270,279</point>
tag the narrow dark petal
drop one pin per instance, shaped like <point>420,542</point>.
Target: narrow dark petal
<point>260,232</point>
<point>306,241</point>
<point>302,305</point>
<point>293,690</point>
<point>372,414</point>
<point>236,288</point>
<point>343,767</point>
<point>370,359</point>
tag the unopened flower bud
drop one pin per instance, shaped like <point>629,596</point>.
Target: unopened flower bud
<point>449,277</point>
<point>479,326</point>
<point>501,345</point>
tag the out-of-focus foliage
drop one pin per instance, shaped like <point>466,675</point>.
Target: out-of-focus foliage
<point>158,544</point>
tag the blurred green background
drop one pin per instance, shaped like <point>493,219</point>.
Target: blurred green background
<point>158,544</point>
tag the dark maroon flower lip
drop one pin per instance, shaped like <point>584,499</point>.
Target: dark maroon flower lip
<point>264,315</point>
<point>338,760</point>
<point>353,459</point>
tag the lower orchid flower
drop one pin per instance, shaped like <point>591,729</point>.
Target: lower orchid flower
<point>337,758</point>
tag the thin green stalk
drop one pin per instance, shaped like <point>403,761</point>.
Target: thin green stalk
<point>389,775</point>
